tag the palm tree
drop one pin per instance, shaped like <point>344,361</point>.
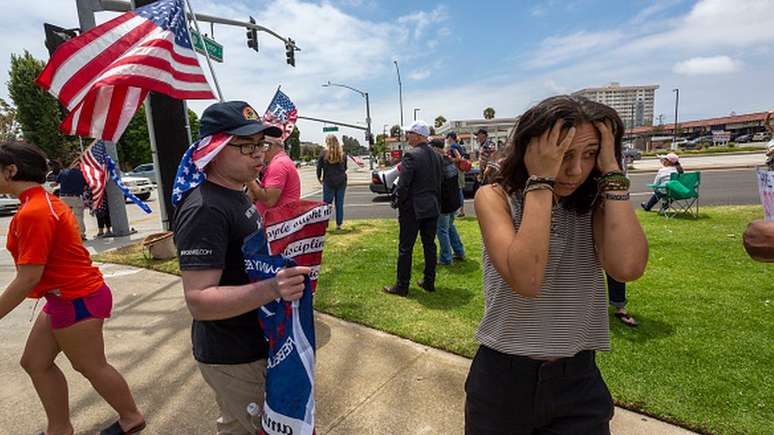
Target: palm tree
<point>439,120</point>
<point>489,113</point>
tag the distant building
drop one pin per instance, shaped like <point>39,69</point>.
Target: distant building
<point>634,104</point>
<point>498,129</point>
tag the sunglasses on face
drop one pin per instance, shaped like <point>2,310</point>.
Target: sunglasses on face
<point>248,148</point>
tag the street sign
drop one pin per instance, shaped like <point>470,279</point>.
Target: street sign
<point>330,129</point>
<point>214,49</point>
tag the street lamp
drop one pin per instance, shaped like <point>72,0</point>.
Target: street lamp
<point>400,91</point>
<point>416,109</point>
<point>368,115</point>
<point>674,132</point>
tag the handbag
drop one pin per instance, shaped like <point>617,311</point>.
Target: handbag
<point>464,165</point>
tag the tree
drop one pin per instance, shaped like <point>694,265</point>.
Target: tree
<point>294,142</point>
<point>352,146</point>
<point>379,145</point>
<point>489,113</point>
<point>37,112</point>
<point>439,120</point>
<point>395,131</point>
<point>9,127</point>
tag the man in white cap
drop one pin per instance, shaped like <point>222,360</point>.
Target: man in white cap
<point>418,191</point>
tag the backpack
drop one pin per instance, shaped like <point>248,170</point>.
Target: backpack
<point>450,189</point>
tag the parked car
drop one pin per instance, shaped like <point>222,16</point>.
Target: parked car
<point>146,170</point>
<point>8,204</point>
<point>761,136</point>
<point>141,187</point>
<point>631,154</point>
<point>744,138</point>
<point>383,182</point>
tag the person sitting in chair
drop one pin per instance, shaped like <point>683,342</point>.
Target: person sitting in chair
<point>670,163</point>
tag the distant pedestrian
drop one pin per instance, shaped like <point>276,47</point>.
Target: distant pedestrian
<point>71,189</point>
<point>493,168</point>
<point>418,191</point>
<point>449,240</point>
<point>51,262</point>
<point>102,213</point>
<point>770,146</point>
<point>456,153</point>
<point>670,163</point>
<point>616,293</point>
<point>486,149</point>
<point>332,173</point>
<point>280,183</point>
<point>559,218</point>
<point>212,222</point>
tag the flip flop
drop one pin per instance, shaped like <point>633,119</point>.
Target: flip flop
<point>115,429</point>
<point>627,320</point>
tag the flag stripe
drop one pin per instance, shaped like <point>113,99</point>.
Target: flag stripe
<point>181,55</point>
<point>134,97</point>
<point>101,106</point>
<point>113,112</point>
<point>73,46</point>
<point>82,78</point>
<point>156,63</point>
<point>87,110</point>
<point>187,91</point>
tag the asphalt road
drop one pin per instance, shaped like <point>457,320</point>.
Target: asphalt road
<point>718,187</point>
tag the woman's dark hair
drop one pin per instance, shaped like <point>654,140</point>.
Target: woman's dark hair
<point>31,162</point>
<point>679,167</point>
<point>540,118</point>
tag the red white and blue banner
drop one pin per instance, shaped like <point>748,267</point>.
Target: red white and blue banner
<point>281,113</point>
<point>190,170</point>
<point>292,235</point>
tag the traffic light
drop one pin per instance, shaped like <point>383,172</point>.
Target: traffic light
<point>252,36</point>
<point>290,52</point>
<point>56,36</point>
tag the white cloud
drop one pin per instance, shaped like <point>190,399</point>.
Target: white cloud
<point>419,21</point>
<point>557,49</point>
<point>419,74</point>
<point>706,65</point>
<point>654,9</point>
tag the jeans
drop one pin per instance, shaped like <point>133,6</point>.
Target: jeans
<point>616,291</point>
<point>654,199</point>
<point>410,226</point>
<point>330,194</point>
<point>448,239</point>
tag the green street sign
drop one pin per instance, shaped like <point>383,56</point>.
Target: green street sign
<point>329,129</point>
<point>214,49</point>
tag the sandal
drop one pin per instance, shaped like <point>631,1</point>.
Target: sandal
<point>626,319</point>
<point>115,429</point>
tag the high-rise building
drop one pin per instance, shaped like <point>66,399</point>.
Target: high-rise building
<point>634,104</point>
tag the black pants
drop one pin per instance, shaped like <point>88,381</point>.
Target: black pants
<point>409,227</point>
<point>512,395</point>
<point>103,218</point>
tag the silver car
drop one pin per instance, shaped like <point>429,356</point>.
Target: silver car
<point>383,182</point>
<point>8,204</point>
<point>145,170</point>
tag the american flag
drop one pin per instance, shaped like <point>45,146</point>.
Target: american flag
<point>281,113</point>
<point>190,171</point>
<point>103,75</point>
<point>96,166</point>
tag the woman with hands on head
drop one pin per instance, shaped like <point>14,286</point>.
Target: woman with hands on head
<point>557,217</point>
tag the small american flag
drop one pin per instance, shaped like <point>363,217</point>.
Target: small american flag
<point>103,75</point>
<point>96,166</point>
<point>281,113</point>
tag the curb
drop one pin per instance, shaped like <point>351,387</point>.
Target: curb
<point>700,168</point>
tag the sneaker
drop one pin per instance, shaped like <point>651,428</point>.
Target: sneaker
<point>396,290</point>
<point>444,263</point>
<point>461,214</point>
<point>109,234</point>
<point>644,207</point>
<point>428,287</point>
<point>459,257</point>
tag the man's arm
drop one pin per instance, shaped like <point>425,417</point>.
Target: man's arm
<point>759,241</point>
<point>406,176</point>
<point>267,196</point>
<point>27,277</point>
<point>207,300</point>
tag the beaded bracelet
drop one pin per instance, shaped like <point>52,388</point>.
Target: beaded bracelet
<point>537,186</point>
<point>535,179</point>
<point>613,181</point>
<point>617,197</point>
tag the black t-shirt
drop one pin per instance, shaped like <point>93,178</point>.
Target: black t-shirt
<point>211,224</point>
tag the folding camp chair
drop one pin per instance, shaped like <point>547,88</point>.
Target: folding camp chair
<point>682,195</point>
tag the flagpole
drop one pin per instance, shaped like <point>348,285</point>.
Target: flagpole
<point>206,54</point>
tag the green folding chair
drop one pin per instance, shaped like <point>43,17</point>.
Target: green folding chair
<point>682,195</point>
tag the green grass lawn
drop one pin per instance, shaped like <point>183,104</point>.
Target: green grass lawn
<point>701,357</point>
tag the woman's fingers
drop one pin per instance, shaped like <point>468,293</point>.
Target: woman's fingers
<point>567,139</point>
<point>556,130</point>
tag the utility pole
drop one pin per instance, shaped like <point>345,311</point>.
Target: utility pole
<point>400,92</point>
<point>369,134</point>
<point>674,132</point>
<point>115,197</point>
<point>416,109</point>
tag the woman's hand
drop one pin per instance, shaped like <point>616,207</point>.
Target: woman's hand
<point>606,160</point>
<point>545,152</point>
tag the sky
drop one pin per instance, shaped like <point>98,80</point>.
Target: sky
<point>458,57</point>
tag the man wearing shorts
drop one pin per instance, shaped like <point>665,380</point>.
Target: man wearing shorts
<point>212,222</point>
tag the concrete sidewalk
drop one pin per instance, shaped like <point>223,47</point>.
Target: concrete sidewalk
<point>368,382</point>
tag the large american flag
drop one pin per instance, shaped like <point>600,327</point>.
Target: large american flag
<point>281,113</point>
<point>103,75</point>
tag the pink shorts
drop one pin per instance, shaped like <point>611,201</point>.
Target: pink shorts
<point>64,313</point>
